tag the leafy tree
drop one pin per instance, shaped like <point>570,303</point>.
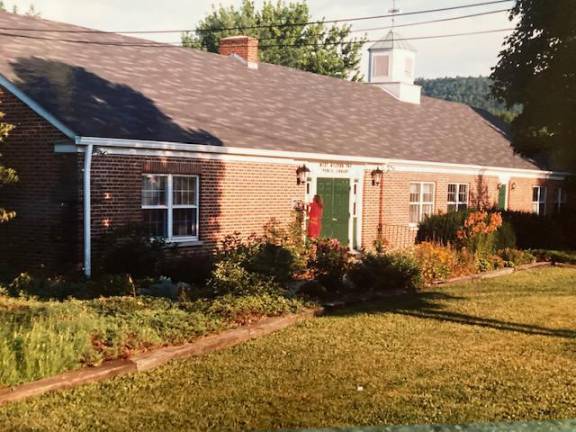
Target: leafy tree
<point>7,175</point>
<point>473,91</point>
<point>32,12</point>
<point>537,68</point>
<point>317,48</point>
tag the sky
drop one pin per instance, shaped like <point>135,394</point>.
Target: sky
<point>461,56</point>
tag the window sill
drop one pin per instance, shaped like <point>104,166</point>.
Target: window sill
<point>180,243</point>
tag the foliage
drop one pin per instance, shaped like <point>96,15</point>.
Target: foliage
<point>231,277</point>
<point>564,257</point>
<point>192,269</point>
<point>505,237</point>
<point>441,228</point>
<point>536,69</point>
<point>130,250</point>
<point>436,262</point>
<point>473,91</point>
<point>7,175</point>
<point>329,262</point>
<point>31,12</point>
<point>382,272</point>
<point>318,48</point>
<point>266,256</point>
<point>515,257</point>
<point>493,350</point>
<point>40,338</point>
<point>478,232</point>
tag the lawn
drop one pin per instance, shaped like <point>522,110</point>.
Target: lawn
<point>494,350</point>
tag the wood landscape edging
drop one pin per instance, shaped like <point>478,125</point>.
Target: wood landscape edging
<point>155,358</point>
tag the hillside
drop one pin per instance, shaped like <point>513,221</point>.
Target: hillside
<point>473,91</point>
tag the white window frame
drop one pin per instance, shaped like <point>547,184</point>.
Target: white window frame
<point>458,202</point>
<point>561,199</point>
<point>170,207</point>
<point>421,203</point>
<point>541,201</point>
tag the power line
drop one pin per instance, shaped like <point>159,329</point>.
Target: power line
<point>264,26</point>
<point>431,21</point>
<point>295,45</point>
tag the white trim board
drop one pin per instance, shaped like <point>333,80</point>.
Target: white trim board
<point>167,149</point>
<point>34,106</point>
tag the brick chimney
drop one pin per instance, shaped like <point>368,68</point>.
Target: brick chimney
<point>243,47</point>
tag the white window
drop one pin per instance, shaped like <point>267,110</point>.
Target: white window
<point>561,199</point>
<point>539,200</point>
<point>170,204</point>
<point>421,201</point>
<point>457,197</point>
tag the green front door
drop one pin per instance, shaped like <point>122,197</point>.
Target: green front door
<point>335,195</point>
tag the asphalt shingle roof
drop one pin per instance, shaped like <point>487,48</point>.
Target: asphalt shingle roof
<point>99,87</point>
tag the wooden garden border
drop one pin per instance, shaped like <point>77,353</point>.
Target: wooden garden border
<point>155,358</point>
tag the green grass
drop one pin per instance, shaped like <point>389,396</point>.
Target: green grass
<point>43,338</point>
<point>497,350</point>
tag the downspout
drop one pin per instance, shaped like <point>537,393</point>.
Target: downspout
<point>87,211</point>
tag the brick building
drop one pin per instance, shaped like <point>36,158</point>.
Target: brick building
<point>112,130</point>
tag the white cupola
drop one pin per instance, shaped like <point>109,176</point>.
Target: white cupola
<point>392,65</point>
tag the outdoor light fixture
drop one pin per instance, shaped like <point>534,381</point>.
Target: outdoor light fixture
<point>301,174</point>
<point>377,175</point>
<point>513,186</point>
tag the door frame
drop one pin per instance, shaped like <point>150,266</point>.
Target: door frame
<point>355,175</point>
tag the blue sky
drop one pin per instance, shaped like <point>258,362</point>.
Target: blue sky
<point>464,56</point>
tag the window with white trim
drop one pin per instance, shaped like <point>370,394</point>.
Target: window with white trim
<point>170,205</point>
<point>539,200</point>
<point>421,201</point>
<point>561,199</point>
<point>457,197</point>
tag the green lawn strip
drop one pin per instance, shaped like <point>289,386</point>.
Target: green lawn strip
<point>495,350</point>
<point>42,338</point>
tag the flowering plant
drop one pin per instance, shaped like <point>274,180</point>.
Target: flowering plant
<point>477,234</point>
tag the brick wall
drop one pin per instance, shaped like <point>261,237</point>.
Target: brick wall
<point>234,196</point>
<point>44,199</point>
<point>389,203</point>
<point>520,197</point>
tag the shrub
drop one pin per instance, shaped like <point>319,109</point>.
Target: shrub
<point>540,231</point>
<point>515,257</point>
<point>386,272</point>
<point>564,257</point>
<point>131,250</point>
<point>329,262</point>
<point>192,269</point>
<point>505,237</point>
<point>478,232</point>
<point>436,262</point>
<point>230,277</point>
<point>441,228</point>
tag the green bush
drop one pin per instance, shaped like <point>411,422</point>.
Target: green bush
<point>515,257</point>
<point>131,250</point>
<point>386,272</point>
<point>259,255</point>
<point>564,257</point>
<point>329,262</point>
<point>505,237</point>
<point>231,277</point>
<point>442,228</point>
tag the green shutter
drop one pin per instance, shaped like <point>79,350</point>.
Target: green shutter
<point>502,197</point>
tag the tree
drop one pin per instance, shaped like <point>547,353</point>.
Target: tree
<point>317,48</point>
<point>537,68</point>
<point>32,12</point>
<point>7,175</point>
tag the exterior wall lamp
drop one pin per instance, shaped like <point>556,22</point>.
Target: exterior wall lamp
<point>377,175</point>
<point>302,174</point>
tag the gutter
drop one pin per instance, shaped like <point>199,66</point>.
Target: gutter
<point>87,201</point>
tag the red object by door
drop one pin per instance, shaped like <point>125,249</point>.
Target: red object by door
<point>315,212</point>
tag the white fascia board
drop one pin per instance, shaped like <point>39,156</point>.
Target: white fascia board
<point>34,106</point>
<point>400,165</point>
